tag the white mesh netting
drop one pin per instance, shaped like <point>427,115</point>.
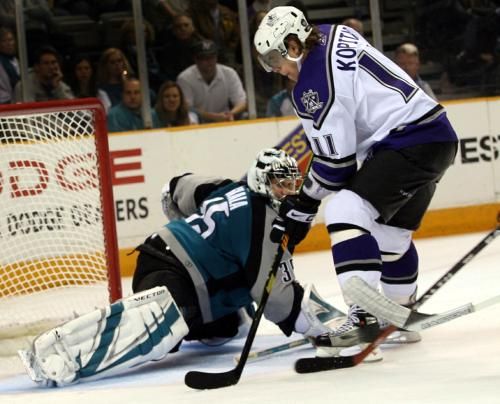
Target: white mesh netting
<point>53,260</point>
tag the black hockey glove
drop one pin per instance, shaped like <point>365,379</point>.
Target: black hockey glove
<point>295,217</point>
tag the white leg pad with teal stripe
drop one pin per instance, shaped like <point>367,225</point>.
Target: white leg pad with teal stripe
<point>140,328</point>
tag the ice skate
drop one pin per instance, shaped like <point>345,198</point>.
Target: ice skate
<point>359,329</point>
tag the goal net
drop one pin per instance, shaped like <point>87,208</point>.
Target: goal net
<point>58,247</point>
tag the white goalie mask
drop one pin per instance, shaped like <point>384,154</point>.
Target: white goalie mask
<point>274,174</point>
<point>270,37</point>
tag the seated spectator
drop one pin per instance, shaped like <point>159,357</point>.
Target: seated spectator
<point>171,106</point>
<point>46,80</point>
<point>220,24</point>
<point>177,53</point>
<point>112,69</point>
<point>127,114</point>
<point>9,65</point>
<point>129,49</point>
<point>407,57</point>
<point>281,104</point>
<point>214,91</point>
<point>83,81</point>
<point>355,24</point>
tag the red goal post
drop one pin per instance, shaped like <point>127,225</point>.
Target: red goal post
<point>58,243</point>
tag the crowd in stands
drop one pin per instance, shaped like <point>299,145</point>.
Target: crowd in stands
<point>194,61</point>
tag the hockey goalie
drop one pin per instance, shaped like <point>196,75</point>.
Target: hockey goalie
<point>192,281</point>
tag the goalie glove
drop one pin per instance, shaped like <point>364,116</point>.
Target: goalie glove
<point>128,333</point>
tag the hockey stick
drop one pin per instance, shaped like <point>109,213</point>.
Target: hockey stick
<point>458,266</point>
<point>357,290</point>
<point>324,317</point>
<point>307,365</point>
<point>203,380</point>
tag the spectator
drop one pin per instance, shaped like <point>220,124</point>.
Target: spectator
<point>112,69</point>
<point>213,90</point>
<point>220,24</point>
<point>45,82</point>
<point>129,48</point>
<point>407,57</point>
<point>171,106</point>
<point>127,114</point>
<point>355,24</point>
<point>281,104</point>
<point>185,37</point>
<point>9,65</point>
<point>83,81</point>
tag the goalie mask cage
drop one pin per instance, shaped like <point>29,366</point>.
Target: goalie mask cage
<point>58,244</point>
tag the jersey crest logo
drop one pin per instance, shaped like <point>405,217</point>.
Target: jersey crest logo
<point>311,101</point>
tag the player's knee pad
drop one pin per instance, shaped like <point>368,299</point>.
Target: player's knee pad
<point>399,275</point>
<point>128,333</point>
<point>348,207</point>
<point>355,252</point>
<point>390,238</point>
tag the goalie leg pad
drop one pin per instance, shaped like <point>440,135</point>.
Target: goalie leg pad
<point>138,329</point>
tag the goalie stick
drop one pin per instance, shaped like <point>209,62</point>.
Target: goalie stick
<point>203,380</point>
<point>317,364</point>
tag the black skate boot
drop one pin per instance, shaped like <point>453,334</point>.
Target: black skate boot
<point>350,338</point>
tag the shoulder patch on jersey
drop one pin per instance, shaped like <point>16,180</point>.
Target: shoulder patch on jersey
<point>314,93</point>
<point>311,102</point>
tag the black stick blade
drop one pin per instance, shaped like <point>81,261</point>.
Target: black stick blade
<point>317,364</point>
<point>203,381</point>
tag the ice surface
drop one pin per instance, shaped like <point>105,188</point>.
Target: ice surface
<point>457,362</point>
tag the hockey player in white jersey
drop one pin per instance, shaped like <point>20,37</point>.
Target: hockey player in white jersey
<point>380,146</point>
<point>192,278</point>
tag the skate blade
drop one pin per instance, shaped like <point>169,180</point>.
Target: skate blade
<point>326,352</point>
<point>402,337</point>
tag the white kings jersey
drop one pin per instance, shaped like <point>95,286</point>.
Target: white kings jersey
<point>352,99</point>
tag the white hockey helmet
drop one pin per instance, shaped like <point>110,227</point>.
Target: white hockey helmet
<point>273,164</point>
<point>269,40</point>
